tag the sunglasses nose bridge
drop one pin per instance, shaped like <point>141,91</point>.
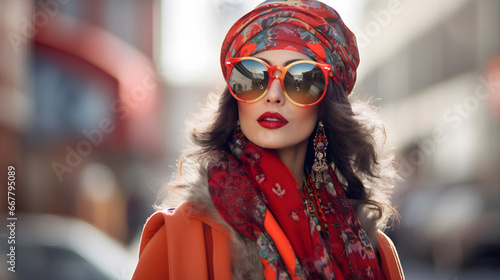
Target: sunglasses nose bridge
<point>277,71</point>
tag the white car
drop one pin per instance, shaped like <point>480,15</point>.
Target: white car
<point>60,248</point>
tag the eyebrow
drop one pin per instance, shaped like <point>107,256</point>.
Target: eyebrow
<point>286,63</point>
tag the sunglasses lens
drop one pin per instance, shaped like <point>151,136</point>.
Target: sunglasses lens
<point>249,79</point>
<point>305,83</point>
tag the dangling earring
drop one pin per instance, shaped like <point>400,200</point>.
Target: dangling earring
<point>320,144</point>
<point>238,140</point>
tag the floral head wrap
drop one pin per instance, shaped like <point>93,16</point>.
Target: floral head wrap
<point>306,26</point>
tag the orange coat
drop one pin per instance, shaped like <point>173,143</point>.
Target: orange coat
<point>182,247</point>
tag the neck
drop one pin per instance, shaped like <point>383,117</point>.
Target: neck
<point>294,158</point>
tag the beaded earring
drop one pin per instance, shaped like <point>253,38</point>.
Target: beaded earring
<point>320,144</point>
<point>238,140</point>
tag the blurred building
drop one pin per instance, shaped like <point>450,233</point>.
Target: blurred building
<point>14,113</point>
<point>81,109</point>
<point>425,63</point>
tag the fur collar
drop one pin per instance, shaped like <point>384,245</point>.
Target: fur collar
<point>246,263</point>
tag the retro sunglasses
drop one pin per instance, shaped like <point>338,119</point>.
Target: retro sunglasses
<point>304,83</point>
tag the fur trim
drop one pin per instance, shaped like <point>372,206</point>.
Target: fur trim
<point>246,263</point>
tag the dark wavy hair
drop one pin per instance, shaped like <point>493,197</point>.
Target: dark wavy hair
<point>355,137</point>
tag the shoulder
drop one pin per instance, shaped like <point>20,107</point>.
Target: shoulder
<point>175,241</point>
<point>391,264</point>
<point>153,250</point>
<point>181,222</point>
<point>160,221</point>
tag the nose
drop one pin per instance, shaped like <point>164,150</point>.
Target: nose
<point>275,94</point>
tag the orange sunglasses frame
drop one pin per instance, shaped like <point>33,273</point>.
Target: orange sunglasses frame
<point>325,67</point>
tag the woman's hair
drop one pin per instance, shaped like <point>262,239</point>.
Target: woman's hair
<point>355,138</point>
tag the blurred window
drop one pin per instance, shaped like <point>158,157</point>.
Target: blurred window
<point>448,50</point>
<point>68,98</point>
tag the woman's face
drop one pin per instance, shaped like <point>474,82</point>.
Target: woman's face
<point>273,122</point>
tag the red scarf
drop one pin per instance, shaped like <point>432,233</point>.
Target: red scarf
<point>258,196</point>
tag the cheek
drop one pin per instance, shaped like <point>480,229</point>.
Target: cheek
<point>243,112</point>
<point>305,119</point>
<point>246,117</point>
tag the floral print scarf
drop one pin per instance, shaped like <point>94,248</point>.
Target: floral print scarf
<point>257,196</point>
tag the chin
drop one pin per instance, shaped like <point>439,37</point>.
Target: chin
<point>267,140</point>
<point>274,139</point>
<point>264,144</point>
<point>270,146</point>
<point>275,144</point>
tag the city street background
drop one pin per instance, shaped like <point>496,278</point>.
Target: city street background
<point>94,95</point>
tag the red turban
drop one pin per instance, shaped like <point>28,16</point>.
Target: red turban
<point>309,27</point>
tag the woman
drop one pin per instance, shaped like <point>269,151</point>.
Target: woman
<point>286,180</point>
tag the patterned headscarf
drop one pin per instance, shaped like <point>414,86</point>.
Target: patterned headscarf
<point>306,26</point>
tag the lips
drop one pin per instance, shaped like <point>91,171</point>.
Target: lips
<point>272,120</point>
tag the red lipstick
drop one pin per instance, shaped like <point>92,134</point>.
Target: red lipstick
<point>272,120</point>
